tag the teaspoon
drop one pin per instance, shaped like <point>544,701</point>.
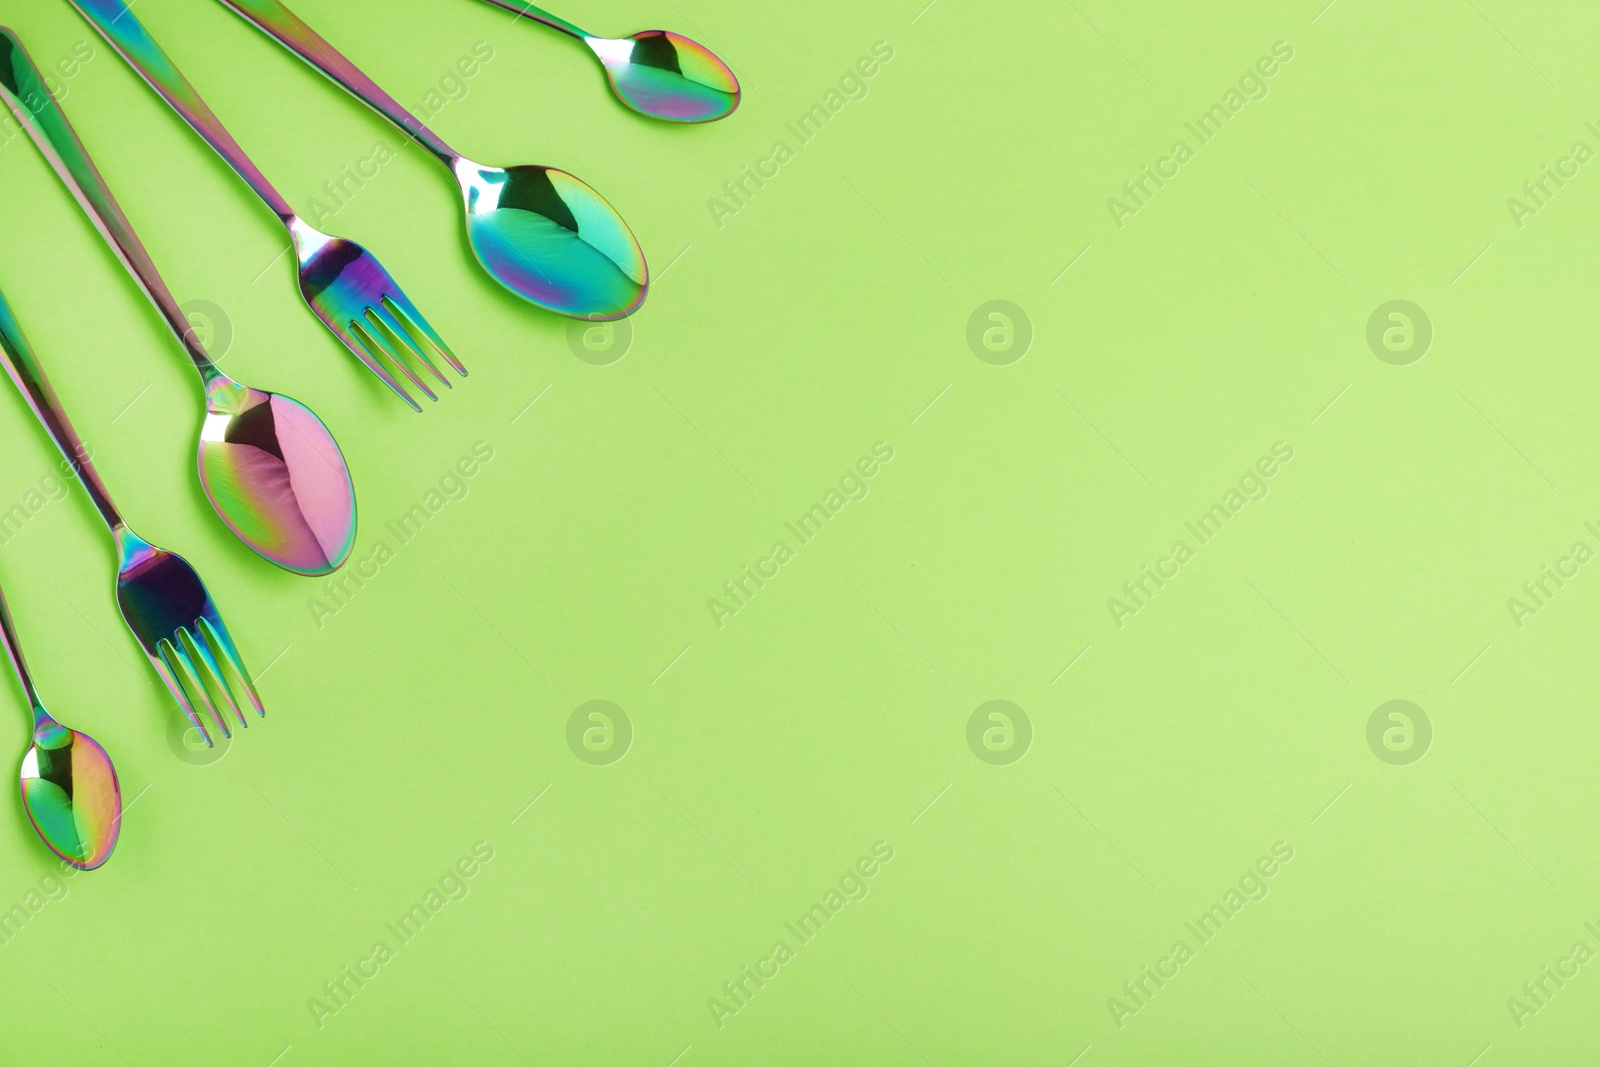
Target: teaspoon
<point>69,786</point>
<point>656,72</point>
<point>538,231</point>
<point>269,466</point>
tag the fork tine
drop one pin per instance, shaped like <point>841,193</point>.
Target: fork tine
<point>164,669</point>
<point>213,673</point>
<point>359,348</point>
<point>382,313</point>
<point>371,338</point>
<point>194,681</point>
<point>183,670</point>
<point>407,311</point>
<point>218,636</point>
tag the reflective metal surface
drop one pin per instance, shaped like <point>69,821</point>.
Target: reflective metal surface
<point>166,605</point>
<point>656,72</point>
<point>667,76</point>
<point>538,231</point>
<point>263,459</point>
<point>69,787</point>
<point>548,237</point>
<point>344,284</point>
<point>163,600</point>
<point>268,465</point>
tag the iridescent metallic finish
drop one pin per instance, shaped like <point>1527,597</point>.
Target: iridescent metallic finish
<point>538,231</point>
<point>69,787</point>
<point>268,465</point>
<point>656,72</point>
<point>343,283</point>
<point>162,599</point>
<point>667,76</point>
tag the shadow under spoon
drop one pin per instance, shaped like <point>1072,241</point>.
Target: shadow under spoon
<point>538,231</point>
<point>69,787</point>
<point>269,466</point>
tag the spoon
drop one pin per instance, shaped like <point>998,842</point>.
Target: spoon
<point>343,283</point>
<point>538,231</point>
<point>656,72</point>
<point>270,468</point>
<point>69,787</point>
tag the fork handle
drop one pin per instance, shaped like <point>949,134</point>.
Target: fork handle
<point>127,35</point>
<point>29,377</point>
<point>283,25</point>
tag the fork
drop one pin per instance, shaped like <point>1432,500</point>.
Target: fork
<point>162,599</point>
<point>344,284</point>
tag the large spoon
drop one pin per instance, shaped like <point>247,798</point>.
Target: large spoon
<point>268,465</point>
<point>656,72</point>
<point>69,787</point>
<point>538,231</point>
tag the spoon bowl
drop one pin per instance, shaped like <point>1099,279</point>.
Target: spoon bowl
<point>268,465</point>
<point>667,76</point>
<point>70,791</point>
<point>551,239</point>
<point>276,477</point>
<point>69,788</point>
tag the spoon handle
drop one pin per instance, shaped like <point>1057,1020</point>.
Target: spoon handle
<point>127,35</point>
<point>8,636</point>
<point>29,377</point>
<point>555,22</point>
<point>25,93</point>
<point>284,26</point>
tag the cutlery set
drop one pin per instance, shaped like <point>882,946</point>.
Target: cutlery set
<point>268,465</point>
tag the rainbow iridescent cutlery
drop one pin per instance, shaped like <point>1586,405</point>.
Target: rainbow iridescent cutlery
<point>343,283</point>
<point>538,231</point>
<point>270,468</point>
<point>656,72</point>
<point>69,787</point>
<point>162,599</point>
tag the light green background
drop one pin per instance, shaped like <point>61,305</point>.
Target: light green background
<point>831,713</point>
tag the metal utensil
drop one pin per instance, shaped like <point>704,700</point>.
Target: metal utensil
<point>538,231</point>
<point>69,787</point>
<point>162,599</point>
<point>656,72</point>
<point>269,466</point>
<point>343,283</point>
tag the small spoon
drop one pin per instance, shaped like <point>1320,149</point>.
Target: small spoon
<point>69,787</point>
<point>656,72</point>
<point>268,465</point>
<point>538,231</point>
